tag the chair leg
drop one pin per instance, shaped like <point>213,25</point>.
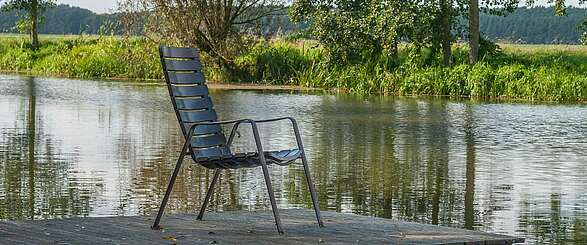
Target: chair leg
<point>169,188</point>
<point>209,194</point>
<point>307,172</point>
<point>267,178</point>
<point>312,189</point>
<point>272,198</point>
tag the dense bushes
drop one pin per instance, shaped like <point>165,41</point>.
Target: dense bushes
<point>275,62</point>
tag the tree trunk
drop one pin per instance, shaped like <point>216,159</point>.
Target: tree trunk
<point>446,35</point>
<point>395,51</point>
<point>473,31</point>
<point>34,15</point>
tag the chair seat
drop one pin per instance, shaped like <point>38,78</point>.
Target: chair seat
<point>249,159</point>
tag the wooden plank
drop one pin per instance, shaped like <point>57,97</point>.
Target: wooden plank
<point>240,228</point>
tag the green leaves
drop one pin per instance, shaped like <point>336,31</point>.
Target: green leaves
<point>26,5</point>
<point>353,30</point>
<point>33,12</point>
<point>583,27</point>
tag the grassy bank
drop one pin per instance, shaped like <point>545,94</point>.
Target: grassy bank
<point>529,72</point>
<point>81,57</point>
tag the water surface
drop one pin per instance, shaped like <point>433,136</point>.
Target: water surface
<point>90,148</point>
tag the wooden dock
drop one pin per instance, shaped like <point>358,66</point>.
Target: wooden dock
<point>240,228</point>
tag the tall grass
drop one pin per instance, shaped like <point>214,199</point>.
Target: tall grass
<point>545,73</point>
<point>83,57</point>
<point>553,73</point>
<point>276,62</point>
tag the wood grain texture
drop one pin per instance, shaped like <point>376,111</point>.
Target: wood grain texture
<point>240,228</point>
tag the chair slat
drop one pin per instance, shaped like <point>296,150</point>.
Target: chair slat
<point>186,78</point>
<point>183,65</point>
<point>203,129</point>
<point>208,141</point>
<point>194,104</point>
<point>186,84</point>
<point>211,152</point>
<point>198,116</point>
<point>174,52</point>
<point>189,91</point>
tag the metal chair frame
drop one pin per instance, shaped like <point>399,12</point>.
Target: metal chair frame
<point>186,150</point>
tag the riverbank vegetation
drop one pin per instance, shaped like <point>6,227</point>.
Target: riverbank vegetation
<point>530,72</point>
<point>536,25</point>
<point>368,47</point>
<point>81,57</point>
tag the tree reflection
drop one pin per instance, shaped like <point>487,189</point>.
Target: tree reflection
<point>551,226</point>
<point>35,183</point>
<point>470,168</point>
<point>382,160</point>
<point>423,160</point>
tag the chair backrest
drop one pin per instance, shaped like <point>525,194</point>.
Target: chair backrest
<point>190,97</point>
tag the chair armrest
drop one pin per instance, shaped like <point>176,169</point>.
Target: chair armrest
<point>236,122</point>
<point>277,119</point>
<point>254,122</point>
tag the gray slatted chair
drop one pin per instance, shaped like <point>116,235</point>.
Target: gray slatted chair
<point>204,139</point>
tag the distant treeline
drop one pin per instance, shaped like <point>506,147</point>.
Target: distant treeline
<point>65,19</point>
<point>526,25</point>
<point>535,26</point>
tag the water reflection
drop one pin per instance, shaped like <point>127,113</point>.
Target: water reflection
<point>469,169</point>
<point>84,148</point>
<point>36,179</point>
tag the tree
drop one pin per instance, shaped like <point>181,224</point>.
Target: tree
<point>534,25</point>
<point>583,27</point>
<point>29,22</point>
<point>560,10</point>
<point>446,15</point>
<point>496,7</point>
<point>474,34</point>
<point>218,28</point>
<point>355,30</point>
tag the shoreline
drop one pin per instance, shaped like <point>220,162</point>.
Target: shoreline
<point>269,87</point>
<point>211,84</point>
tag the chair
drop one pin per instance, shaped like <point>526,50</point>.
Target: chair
<point>204,138</point>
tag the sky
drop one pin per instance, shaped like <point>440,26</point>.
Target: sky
<point>106,6</point>
<point>98,6</point>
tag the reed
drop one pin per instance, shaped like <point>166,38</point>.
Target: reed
<point>528,72</point>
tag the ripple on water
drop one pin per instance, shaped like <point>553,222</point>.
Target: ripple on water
<point>91,148</point>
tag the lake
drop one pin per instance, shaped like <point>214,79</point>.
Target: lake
<point>94,148</point>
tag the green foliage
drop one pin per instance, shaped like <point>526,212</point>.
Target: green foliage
<point>547,73</point>
<point>275,62</point>
<point>26,5</point>
<point>64,19</point>
<point>16,58</point>
<point>488,49</point>
<point>583,28</point>
<point>29,12</point>
<point>519,72</point>
<point>351,31</point>
<point>106,57</point>
<point>537,25</point>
